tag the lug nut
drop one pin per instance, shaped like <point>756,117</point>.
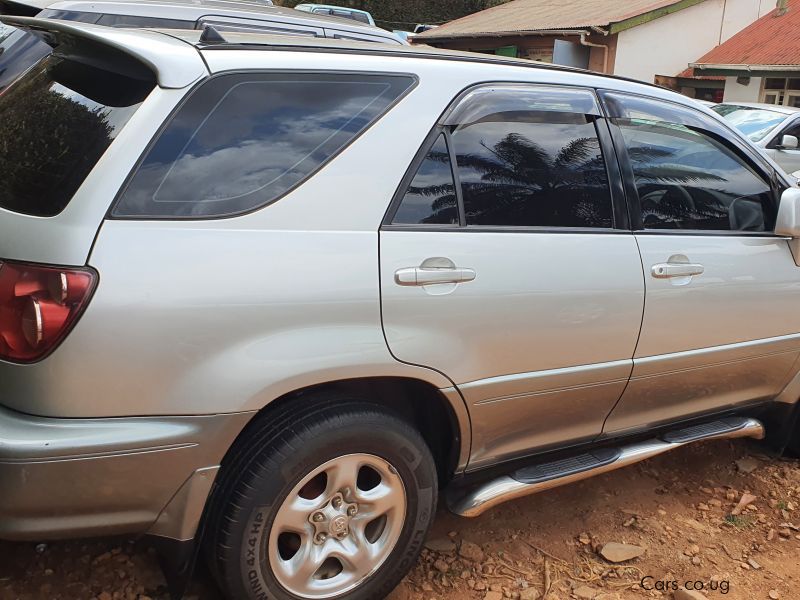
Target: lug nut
<point>318,517</point>
<point>337,502</point>
<point>321,537</point>
<point>352,510</point>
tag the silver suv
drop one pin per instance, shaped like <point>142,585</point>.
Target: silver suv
<point>267,296</point>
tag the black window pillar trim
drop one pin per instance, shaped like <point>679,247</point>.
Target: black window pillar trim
<point>616,176</point>
<point>462,211</point>
<point>632,202</point>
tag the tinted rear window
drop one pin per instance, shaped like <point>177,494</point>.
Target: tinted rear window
<point>242,141</point>
<point>56,122</point>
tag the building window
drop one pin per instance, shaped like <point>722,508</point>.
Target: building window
<point>781,90</point>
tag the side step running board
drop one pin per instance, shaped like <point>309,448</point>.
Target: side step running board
<point>473,502</point>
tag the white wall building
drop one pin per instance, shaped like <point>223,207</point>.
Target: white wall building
<point>650,40</point>
<point>761,63</point>
<point>665,46</point>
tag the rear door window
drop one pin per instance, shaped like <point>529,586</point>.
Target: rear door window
<point>244,140</point>
<point>431,197</point>
<point>56,121</point>
<point>514,156</point>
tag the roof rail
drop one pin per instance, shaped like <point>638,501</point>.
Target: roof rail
<point>175,63</point>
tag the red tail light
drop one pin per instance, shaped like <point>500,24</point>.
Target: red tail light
<point>38,306</point>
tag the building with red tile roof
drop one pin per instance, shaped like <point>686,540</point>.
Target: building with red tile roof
<point>651,40</point>
<point>761,63</point>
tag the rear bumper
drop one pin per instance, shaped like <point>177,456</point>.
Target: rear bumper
<point>62,478</point>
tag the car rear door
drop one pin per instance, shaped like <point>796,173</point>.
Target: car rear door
<point>721,326</point>
<point>507,264</point>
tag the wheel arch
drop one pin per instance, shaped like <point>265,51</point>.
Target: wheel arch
<point>439,414</point>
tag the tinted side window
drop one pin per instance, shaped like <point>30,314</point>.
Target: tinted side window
<point>244,140</point>
<point>526,167</point>
<point>688,178</point>
<point>431,197</point>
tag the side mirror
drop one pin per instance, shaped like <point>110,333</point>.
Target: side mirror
<point>788,222</point>
<point>788,142</point>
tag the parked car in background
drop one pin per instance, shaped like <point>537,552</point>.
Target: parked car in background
<point>271,294</point>
<point>19,49</point>
<point>337,11</point>
<point>423,27</point>
<point>774,129</point>
<point>403,35</point>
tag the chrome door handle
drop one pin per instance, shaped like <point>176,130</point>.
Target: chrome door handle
<point>672,270</point>
<point>433,271</point>
<point>420,276</point>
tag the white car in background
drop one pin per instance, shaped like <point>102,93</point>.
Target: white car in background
<point>342,12</point>
<point>774,129</point>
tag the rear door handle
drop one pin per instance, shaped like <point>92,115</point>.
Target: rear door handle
<point>420,276</point>
<point>433,271</point>
<point>671,270</point>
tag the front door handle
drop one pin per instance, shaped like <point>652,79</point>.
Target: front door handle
<point>671,270</point>
<point>433,271</point>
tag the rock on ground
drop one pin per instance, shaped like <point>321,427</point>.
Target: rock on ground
<point>616,553</point>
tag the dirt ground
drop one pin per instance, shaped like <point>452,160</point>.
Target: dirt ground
<point>675,508</point>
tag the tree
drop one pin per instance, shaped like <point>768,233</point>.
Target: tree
<point>48,140</point>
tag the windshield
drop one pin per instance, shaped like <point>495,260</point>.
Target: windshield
<point>754,122</point>
<point>56,121</point>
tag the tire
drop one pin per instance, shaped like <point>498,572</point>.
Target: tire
<point>327,498</point>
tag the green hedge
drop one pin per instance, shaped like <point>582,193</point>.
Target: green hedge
<point>404,14</point>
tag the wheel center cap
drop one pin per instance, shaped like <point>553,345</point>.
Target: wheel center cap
<point>339,525</point>
<point>333,519</point>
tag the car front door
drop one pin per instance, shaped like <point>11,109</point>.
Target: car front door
<point>721,326</point>
<point>508,265</point>
<point>787,158</point>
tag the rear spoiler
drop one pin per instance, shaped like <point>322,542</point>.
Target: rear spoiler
<point>140,53</point>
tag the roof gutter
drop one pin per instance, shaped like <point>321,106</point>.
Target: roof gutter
<point>731,67</point>
<point>500,34</point>
<point>743,69</point>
